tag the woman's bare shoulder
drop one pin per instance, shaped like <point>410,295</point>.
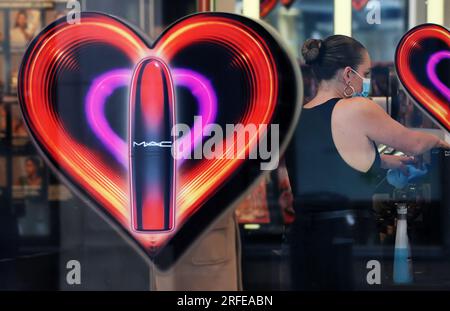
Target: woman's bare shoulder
<point>358,109</point>
<point>357,105</point>
<point>356,101</point>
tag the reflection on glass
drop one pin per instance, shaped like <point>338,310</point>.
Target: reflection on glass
<point>57,191</point>
<point>286,198</point>
<point>254,208</point>
<point>19,132</point>
<point>3,173</point>
<point>3,120</point>
<point>391,27</point>
<point>304,19</point>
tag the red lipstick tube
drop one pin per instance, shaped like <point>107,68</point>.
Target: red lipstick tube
<point>152,166</point>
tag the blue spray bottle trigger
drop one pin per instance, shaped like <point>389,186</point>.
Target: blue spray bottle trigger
<point>399,180</point>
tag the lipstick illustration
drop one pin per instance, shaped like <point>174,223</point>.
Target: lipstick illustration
<point>152,166</point>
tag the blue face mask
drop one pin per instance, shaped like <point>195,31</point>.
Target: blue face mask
<point>365,87</point>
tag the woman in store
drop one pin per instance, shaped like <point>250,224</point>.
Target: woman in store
<point>333,163</point>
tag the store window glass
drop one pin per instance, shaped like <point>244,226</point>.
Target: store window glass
<point>43,225</point>
<point>300,21</point>
<point>427,232</point>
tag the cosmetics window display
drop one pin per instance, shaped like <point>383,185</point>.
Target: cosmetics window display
<point>28,205</point>
<point>18,25</point>
<point>24,177</point>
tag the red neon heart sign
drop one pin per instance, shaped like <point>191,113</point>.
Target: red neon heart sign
<point>255,80</point>
<point>266,6</point>
<point>423,65</point>
<point>287,3</point>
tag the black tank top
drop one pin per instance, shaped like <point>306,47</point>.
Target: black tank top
<point>321,180</point>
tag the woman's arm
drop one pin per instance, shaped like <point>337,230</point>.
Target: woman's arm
<point>380,127</point>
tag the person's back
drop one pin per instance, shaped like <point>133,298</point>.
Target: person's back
<point>332,202</point>
<point>320,177</point>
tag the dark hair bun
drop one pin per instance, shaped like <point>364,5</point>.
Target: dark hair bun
<point>311,50</point>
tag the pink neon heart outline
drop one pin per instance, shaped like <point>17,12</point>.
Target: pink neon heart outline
<point>434,60</point>
<point>103,86</point>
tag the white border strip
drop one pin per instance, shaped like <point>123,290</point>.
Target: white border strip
<point>343,17</point>
<point>250,8</point>
<point>435,12</point>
